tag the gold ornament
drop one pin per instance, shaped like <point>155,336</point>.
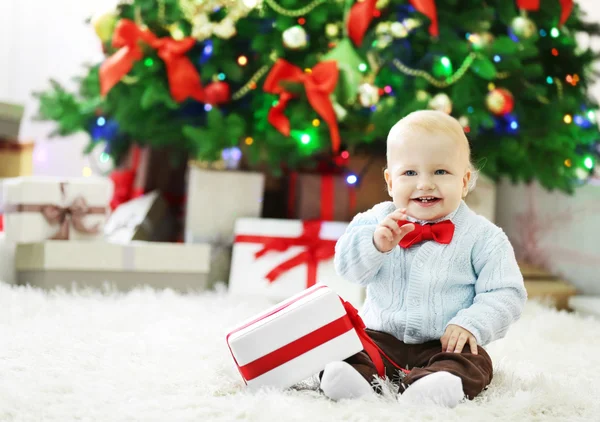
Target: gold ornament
<point>332,30</point>
<point>382,4</point>
<point>197,13</point>
<point>295,38</point>
<point>422,96</point>
<point>368,95</point>
<point>398,30</point>
<point>500,101</point>
<point>104,25</point>
<point>523,27</point>
<point>383,28</point>
<point>411,23</point>
<point>481,40</point>
<point>441,102</point>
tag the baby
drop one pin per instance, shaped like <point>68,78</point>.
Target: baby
<point>441,281</point>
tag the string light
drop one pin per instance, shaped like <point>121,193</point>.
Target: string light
<point>242,60</point>
<point>351,179</point>
<point>588,163</point>
<point>221,76</point>
<point>543,32</point>
<point>104,157</point>
<point>101,121</point>
<point>470,109</point>
<point>305,139</point>
<point>568,163</point>
<point>316,122</point>
<point>207,107</point>
<point>208,49</point>
<point>387,89</point>
<point>491,86</point>
<point>497,58</point>
<point>549,80</point>
<point>591,115</point>
<point>86,172</point>
<point>248,141</point>
<point>345,155</point>
<point>362,67</point>
<point>514,125</point>
<point>554,52</point>
<point>148,62</point>
<point>554,33</point>
<point>301,21</point>
<point>567,119</point>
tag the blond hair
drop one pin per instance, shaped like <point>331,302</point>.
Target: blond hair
<point>433,121</point>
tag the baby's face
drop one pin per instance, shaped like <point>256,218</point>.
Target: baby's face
<point>428,173</point>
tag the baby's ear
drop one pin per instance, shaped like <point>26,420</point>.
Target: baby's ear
<point>388,181</point>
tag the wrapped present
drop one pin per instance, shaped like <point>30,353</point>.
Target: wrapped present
<point>279,258</point>
<point>40,208</point>
<point>11,116</point>
<point>143,218</point>
<point>94,264</point>
<point>297,338</point>
<point>16,159</point>
<point>325,197</point>
<point>7,260</point>
<point>215,199</point>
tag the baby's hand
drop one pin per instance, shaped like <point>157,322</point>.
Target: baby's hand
<point>388,233</point>
<point>455,338</point>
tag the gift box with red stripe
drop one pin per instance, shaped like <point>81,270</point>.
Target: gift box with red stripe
<point>296,339</point>
<point>280,258</point>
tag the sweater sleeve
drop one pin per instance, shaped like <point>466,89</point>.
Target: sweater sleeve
<point>500,293</point>
<point>356,257</point>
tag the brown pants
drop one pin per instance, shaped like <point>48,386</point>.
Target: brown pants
<point>475,371</point>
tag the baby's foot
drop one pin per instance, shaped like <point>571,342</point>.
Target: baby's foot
<point>441,388</point>
<point>342,381</point>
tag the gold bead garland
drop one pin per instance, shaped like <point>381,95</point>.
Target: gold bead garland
<point>294,13</point>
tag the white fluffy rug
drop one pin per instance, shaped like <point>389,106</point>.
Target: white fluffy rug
<point>160,356</point>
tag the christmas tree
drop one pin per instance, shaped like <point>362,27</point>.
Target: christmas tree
<point>290,82</point>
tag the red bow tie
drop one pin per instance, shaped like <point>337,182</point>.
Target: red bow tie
<point>441,232</point>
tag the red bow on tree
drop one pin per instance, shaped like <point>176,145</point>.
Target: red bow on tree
<point>184,80</point>
<point>362,13</point>
<point>534,5</point>
<point>319,83</point>
<point>441,232</point>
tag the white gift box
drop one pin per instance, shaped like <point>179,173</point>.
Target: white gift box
<point>295,339</point>
<point>287,248</point>
<point>39,208</point>
<point>56,263</point>
<point>7,260</point>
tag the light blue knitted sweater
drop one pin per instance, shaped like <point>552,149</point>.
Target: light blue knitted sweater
<point>414,293</point>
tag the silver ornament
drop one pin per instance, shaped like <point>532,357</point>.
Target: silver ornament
<point>523,27</point>
<point>441,102</point>
<point>368,95</point>
<point>295,38</point>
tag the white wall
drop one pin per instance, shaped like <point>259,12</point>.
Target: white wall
<point>43,40</point>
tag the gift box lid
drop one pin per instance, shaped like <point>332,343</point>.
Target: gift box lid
<point>322,306</point>
<point>330,230</point>
<point>11,112</point>
<point>46,189</point>
<point>104,256</point>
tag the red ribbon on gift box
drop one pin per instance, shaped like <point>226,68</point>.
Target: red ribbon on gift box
<point>316,250</point>
<point>350,321</point>
<point>327,196</point>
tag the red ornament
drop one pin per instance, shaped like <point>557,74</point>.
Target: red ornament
<point>500,101</point>
<point>217,93</point>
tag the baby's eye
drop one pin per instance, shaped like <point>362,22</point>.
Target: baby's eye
<point>441,172</point>
<point>410,173</point>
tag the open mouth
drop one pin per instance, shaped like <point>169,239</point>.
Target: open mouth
<point>426,200</point>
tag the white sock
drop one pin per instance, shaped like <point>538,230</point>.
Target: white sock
<point>342,381</point>
<point>441,388</point>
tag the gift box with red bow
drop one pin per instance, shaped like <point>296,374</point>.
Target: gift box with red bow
<point>40,208</point>
<point>296,339</point>
<point>280,258</point>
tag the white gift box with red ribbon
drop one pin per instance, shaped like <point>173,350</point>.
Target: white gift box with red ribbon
<point>40,208</point>
<point>280,258</point>
<point>297,338</point>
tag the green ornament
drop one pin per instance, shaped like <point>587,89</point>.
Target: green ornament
<point>349,64</point>
<point>442,67</point>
